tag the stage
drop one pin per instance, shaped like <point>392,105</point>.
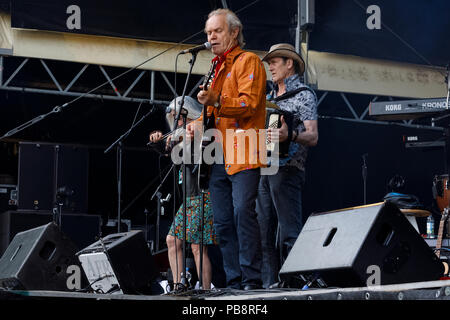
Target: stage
<point>86,203</point>
<point>430,290</point>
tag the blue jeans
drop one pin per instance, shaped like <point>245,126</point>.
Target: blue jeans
<point>233,200</point>
<point>279,200</point>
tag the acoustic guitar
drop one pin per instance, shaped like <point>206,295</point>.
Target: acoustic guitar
<point>204,169</point>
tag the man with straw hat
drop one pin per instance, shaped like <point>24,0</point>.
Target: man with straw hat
<point>279,195</point>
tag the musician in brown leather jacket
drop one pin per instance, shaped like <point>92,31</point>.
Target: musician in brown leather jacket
<point>280,195</point>
<point>237,101</point>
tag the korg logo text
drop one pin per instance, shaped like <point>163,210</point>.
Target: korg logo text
<point>393,107</point>
<point>435,105</point>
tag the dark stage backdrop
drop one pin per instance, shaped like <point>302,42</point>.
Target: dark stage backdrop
<point>334,166</point>
<point>411,31</point>
<point>167,20</point>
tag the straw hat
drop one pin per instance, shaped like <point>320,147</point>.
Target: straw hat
<point>285,50</point>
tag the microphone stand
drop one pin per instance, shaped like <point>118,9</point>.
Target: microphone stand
<point>447,78</point>
<point>33,121</point>
<point>364,175</point>
<point>57,211</point>
<point>119,144</point>
<point>202,194</point>
<point>58,201</point>
<point>158,212</point>
<point>183,165</point>
<point>447,129</point>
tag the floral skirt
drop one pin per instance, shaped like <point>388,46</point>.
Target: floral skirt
<point>193,222</point>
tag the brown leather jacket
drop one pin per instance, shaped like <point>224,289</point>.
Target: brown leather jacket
<point>241,83</point>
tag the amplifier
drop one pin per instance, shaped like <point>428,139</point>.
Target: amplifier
<point>8,197</point>
<point>423,141</point>
<point>100,273</point>
<point>120,263</point>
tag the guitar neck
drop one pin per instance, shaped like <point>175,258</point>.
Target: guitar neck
<point>439,238</point>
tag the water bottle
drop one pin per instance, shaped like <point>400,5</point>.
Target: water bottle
<point>430,227</point>
<point>188,277</point>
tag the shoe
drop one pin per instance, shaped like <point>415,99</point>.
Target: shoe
<point>234,286</point>
<point>248,287</point>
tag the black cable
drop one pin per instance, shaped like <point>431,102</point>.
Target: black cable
<point>90,285</point>
<point>137,112</point>
<point>113,288</point>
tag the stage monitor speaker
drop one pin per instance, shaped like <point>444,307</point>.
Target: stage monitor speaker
<point>353,247</point>
<point>120,263</point>
<point>37,259</point>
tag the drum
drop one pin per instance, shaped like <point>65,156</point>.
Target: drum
<point>441,191</point>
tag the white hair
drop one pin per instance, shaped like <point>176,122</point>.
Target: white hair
<point>232,21</point>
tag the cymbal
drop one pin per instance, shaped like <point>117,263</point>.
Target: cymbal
<point>416,212</point>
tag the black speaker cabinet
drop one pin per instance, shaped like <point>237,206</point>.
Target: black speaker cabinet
<point>119,263</point>
<point>8,197</point>
<point>344,247</point>
<point>82,229</point>
<point>37,259</point>
<point>46,168</point>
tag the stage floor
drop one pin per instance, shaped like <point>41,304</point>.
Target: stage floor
<point>430,290</point>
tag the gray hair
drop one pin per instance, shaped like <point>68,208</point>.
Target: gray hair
<point>233,23</point>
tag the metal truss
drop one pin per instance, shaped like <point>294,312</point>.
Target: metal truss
<point>59,90</point>
<point>363,117</point>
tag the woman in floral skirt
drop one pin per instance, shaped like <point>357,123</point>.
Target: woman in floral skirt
<point>194,237</point>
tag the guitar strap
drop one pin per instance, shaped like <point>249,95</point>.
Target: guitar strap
<point>211,119</point>
<point>292,93</point>
<point>287,95</point>
<point>206,119</point>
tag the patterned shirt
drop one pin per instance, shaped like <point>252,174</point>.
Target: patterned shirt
<point>304,107</point>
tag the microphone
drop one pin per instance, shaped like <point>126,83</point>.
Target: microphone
<point>196,49</point>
